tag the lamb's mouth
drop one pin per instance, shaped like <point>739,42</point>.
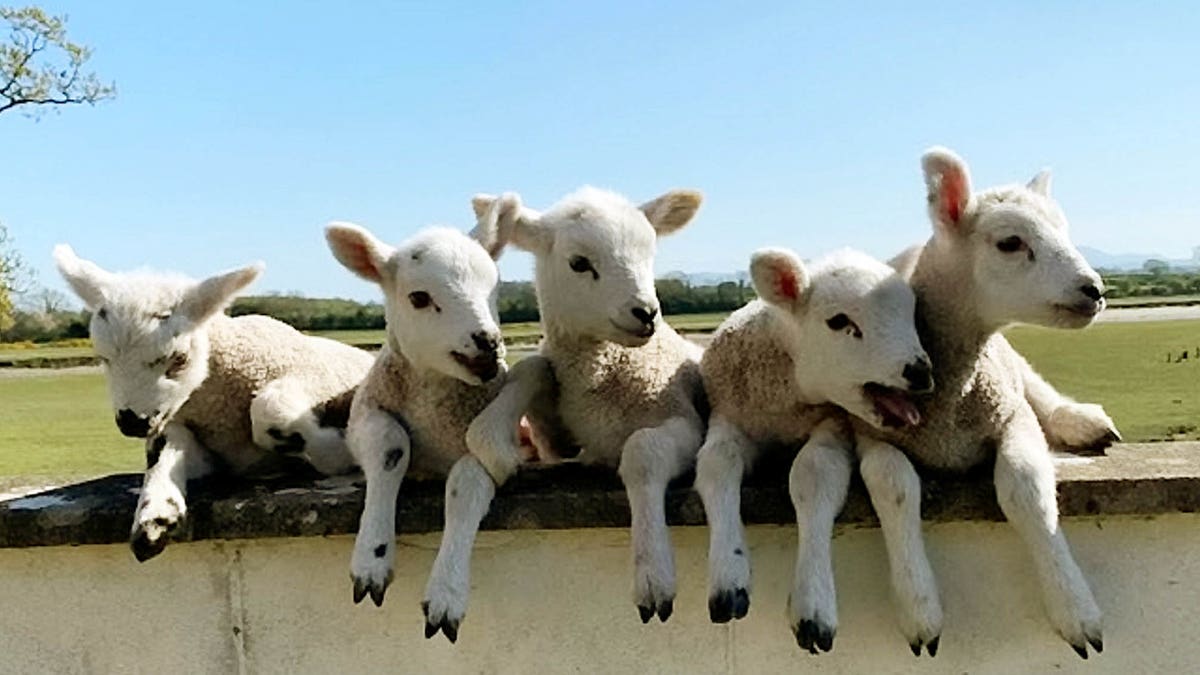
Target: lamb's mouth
<point>486,366</point>
<point>894,406</point>
<point>644,332</point>
<point>1088,310</point>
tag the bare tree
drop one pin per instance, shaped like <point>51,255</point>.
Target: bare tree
<point>14,277</point>
<point>41,68</point>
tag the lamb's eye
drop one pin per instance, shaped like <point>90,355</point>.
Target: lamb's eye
<point>420,299</point>
<point>175,364</point>
<point>581,264</point>
<point>841,322</point>
<point>1010,244</point>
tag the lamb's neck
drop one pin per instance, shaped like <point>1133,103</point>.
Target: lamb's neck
<point>948,321</point>
<point>557,337</point>
<point>404,370</point>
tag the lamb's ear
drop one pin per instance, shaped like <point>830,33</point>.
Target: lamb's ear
<point>672,210</point>
<point>85,277</point>
<point>495,221</point>
<point>358,250</point>
<point>949,186</point>
<point>779,277</point>
<point>524,226</point>
<point>1040,183</point>
<point>215,293</point>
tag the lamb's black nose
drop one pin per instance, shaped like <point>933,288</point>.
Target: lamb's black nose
<point>1091,292</point>
<point>131,424</point>
<point>485,342</point>
<point>645,315</point>
<point>919,375</point>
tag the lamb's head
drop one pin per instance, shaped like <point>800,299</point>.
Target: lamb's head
<point>149,332</point>
<point>1023,265</point>
<point>595,260</point>
<point>848,321</point>
<point>440,291</point>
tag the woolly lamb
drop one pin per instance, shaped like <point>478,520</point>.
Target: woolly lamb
<point>442,364</point>
<point>620,383</point>
<point>839,332</point>
<point>996,257</point>
<point>208,391</point>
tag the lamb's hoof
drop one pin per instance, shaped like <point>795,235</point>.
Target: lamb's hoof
<point>145,548</point>
<point>812,635</point>
<point>1095,641</point>
<point>364,587</point>
<point>663,609</point>
<point>930,646</point>
<point>727,605</point>
<point>1081,429</point>
<point>447,626</point>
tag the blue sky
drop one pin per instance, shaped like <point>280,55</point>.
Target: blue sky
<point>241,128</point>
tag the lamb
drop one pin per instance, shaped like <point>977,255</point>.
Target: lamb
<point>442,364</point>
<point>247,395</point>
<point>996,257</point>
<point>837,335</point>
<point>611,377</point>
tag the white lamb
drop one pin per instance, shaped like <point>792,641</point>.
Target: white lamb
<point>620,383</point>
<point>996,257</point>
<point>839,332</point>
<point>246,395</point>
<point>442,364</point>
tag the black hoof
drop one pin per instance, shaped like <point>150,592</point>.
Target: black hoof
<point>915,647</point>
<point>645,613</point>
<point>1081,651</point>
<point>811,635</point>
<point>144,549</point>
<point>446,626</point>
<point>664,610</point>
<point>1096,644</point>
<point>377,595</point>
<point>727,605</point>
<point>364,587</point>
<point>932,645</point>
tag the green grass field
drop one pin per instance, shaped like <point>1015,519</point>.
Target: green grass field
<point>56,425</point>
<point>1124,367</point>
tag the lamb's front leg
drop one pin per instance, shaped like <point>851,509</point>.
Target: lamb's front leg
<point>720,466</point>
<point>1082,428</point>
<point>650,459</point>
<point>383,450</point>
<point>818,482</point>
<point>470,488</point>
<point>895,491</point>
<point>492,437</point>
<point>173,457</point>
<point>469,493</point>
<point>1025,487</point>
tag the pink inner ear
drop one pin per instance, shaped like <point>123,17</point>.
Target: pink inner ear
<point>952,190</point>
<point>786,284</point>
<point>362,260</point>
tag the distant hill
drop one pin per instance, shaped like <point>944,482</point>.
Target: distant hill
<point>1134,261</point>
<point>707,278</point>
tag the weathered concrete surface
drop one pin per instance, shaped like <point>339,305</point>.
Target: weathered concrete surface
<point>558,601</point>
<point>1134,479</point>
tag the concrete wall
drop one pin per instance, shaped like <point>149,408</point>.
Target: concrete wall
<point>559,602</point>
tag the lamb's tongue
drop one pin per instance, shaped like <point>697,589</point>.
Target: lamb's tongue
<point>899,406</point>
